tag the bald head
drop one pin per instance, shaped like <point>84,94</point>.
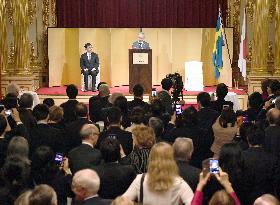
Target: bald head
<point>267,199</point>
<point>85,183</point>
<point>183,148</point>
<point>273,116</point>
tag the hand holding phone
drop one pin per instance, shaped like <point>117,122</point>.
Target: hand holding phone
<point>178,109</point>
<point>58,159</point>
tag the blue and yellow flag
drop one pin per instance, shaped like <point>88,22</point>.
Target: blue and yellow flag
<point>217,57</point>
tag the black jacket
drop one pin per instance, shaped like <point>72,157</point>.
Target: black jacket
<point>272,139</point>
<point>89,64</point>
<point>69,110</point>
<point>114,179</point>
<point>94,201</point>
<point>82,157</point>
<point>137,103</point>
<point>96,104</point>
<point>219,103</point>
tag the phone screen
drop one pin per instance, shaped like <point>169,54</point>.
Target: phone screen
<point>245,118</point>
<point>8,112</point>
<point>178,109</point>
<point>214,166</point>
<point>58,159</point>
<point>154,92</point>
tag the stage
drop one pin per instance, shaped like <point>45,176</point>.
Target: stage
<point>59,94</point>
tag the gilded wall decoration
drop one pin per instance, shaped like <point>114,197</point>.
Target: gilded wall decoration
<point>32,8</point>
<point>53,12</point>
<point>3,39</point>
<point>277,37</point>
<point>10,11</point>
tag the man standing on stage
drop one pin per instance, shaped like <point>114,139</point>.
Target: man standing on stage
<point>89,63</point>
<point>141,44</point>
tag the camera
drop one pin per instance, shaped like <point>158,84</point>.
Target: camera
<point>177,85</point>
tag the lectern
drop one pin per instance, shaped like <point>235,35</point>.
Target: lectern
<point>140,69</point>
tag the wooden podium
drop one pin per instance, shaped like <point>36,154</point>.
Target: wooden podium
<point>140,69</point>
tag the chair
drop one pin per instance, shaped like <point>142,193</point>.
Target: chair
<point>89,81</point>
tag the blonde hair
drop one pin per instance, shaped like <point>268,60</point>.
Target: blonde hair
<point>56,113</point>
<point>23,199</point>
<point>143,136</point>
<point>221,198</point>
<point>162,168</point>
<point>122,201</point>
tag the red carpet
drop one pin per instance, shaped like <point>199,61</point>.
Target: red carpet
<point>124,90</point>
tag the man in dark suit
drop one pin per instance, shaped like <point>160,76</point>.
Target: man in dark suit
<point>183,148</point>
<point>164,95</point>
<point>89,63</point>
<point>85,185</point>
<point>115,131</point>
<point>221,92</point>
<point>262,168</point>
<point>138,92</point>
<point>73,129</point>
<point>85,156</point>
<point>272,132</point>
<point>115,178</point>
<point>141,44</point>
<point>69,106</point>
<point>98,102</point>
<point>44,134</point>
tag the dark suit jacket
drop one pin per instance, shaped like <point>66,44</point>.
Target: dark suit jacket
<point>189,173</point>
<point>94,201</point>
<point>45,135</point>
<point>89,64</point>
<point>166,100</point>
<point>272,139</point>
<point>219,103</point>
<point>262,171</point>
<point>96,104</point>
<point>207,117</point>
<point>124,137</point>
<point>114,179</point>
<point>73,129</point>
<point>83,157</point>
<point>137,103</point>
<point>69,110</point>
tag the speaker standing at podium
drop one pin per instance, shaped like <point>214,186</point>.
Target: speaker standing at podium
<point>89,63</point>
<point>141,44</point>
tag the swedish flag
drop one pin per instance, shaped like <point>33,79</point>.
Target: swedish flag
<point>217,57</point>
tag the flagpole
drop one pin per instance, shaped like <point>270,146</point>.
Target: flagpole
<point>220,13</point>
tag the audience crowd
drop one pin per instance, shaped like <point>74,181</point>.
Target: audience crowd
<point>120,152</point>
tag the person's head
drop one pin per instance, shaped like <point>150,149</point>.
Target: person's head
<point>23,199</point>
<point>221,91</point>
<point>255,100</point>
<point>157,125</point>
<point>143,137</point>
<point>89,133</point>
<point>121,102</point>
<point>137,115</point>
<point>264,85</point>
<point>16,172</point>
<point>49,102</point>
<point>138,91</point>
<point>277,103</point>
<point>88,47</point>
<point>273,116</point>
<point>43,165</point>
<point>10,101</point>
<point>113,97</point>
<point>157,108</point>
<point>41,112</point>
<point>72,91</point>
<point>13,88</point>
<point>26,100</point>
<point>203,100</point>
<point>120,200</point>
<point>110,150</point>
<point>43,194</point>
<point>243,130</point>
<point>255,135</point>
<point>189,116</point>
<point>227,118</point>
<point>221,198</point>
<point>166,84</point>
<point>85,183</point>
<point>162,168</point>
<point>104,90</point>
<point>101,83</point>
<point>81,110</point>
<point>114,115</point>
<point>27,118</point>
<point>3,124</point>
<point>273,87</point>
<point>267,199</point>
<point>231,160</point>
<point>183,148</point>
<point>141,36</point>
<point>18,146</point>
<point>56,113</point>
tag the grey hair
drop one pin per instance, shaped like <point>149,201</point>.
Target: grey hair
<point>104,89</point>
<point>183,148</point>
<point>19,146</point>
<point>88,130</point>
<point>277,103</point>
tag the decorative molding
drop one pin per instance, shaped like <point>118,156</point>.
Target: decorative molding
<point>10,11</point>
<point>45,19</point>
<point>32,8</point>
<point>250,10</point>
<point>53,12</point>
<point>272,10</point>
<point>3,39</point>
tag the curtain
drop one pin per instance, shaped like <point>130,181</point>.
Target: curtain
<point>139,13</point>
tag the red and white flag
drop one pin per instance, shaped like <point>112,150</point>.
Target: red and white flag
<point>243,50</point>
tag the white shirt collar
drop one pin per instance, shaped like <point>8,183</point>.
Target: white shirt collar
<point>87,143</point>
<point>42,122</point>
<point>91,197</point>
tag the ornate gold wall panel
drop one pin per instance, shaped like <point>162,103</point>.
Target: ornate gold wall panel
<point>3,39</point>
<point>277,37</point>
